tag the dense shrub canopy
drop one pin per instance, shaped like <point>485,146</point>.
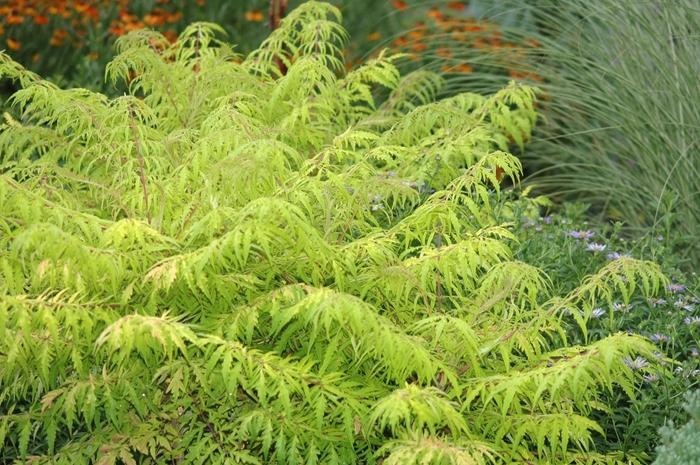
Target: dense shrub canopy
<point>235,265</point>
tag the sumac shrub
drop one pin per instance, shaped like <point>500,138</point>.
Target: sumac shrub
<point>231,264</point>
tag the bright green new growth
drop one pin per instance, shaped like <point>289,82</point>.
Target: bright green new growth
<point>231,265</point>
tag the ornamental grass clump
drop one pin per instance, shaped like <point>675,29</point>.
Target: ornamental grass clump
<point>232,264</point>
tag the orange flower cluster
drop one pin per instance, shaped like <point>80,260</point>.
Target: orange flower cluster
<point>156,19</point>
<point>77,16</point>
<point>483,36</point>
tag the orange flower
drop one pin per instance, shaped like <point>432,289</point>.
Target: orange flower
<point>463,68</point>
<point>200,2</point>
<point>13,20</point>
<point>134,26</point>
<point>153,20</point>
<point>93,56</point>
<point>457,6</point>
<point>435,13</point>
<point>174,17</point>
<point>443,52</point>
<point>515,74</point>
<point>92,12</point>
<point>419,46</point>
<point>36,57</point>
<point>41,20</point>
<point>13,44</point>
<point>256,16</point>
<point>374,36</point>
<point>116,30</point>
<point>472,26</point>
<point>400,42</point>
<point>399,4</point>
<point>534,43</point>
<point>81,7</point>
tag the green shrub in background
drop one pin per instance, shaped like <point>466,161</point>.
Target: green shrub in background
<point>682,445</point>
<point>231,265</point>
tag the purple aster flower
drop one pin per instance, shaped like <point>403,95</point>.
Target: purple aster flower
<point>659,237</point>
<point>692,320</point>
<point>595,247</point>
<point>675,288</point>
<point>694,352</point>
<point>547,219</point>
<point>585,235</point>
<point>651,378</point>
<point>658,337</point>
<point>657,302</point>
<point>637,364</point>
<point>597,313</point>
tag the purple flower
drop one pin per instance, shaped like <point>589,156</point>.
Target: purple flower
<point>657,302</point>
<point>595,247</point>
<point>692,320</point>
<point>597,313</point>
<point>658,337</point>
<point>585,235</point>
<point>675,288</point>
<point>547,219</point>
<point>651,378</point>
<point>637,364</point>
<point>694,352</point>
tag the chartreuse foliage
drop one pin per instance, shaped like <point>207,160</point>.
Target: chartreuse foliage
<point>236,265</point>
